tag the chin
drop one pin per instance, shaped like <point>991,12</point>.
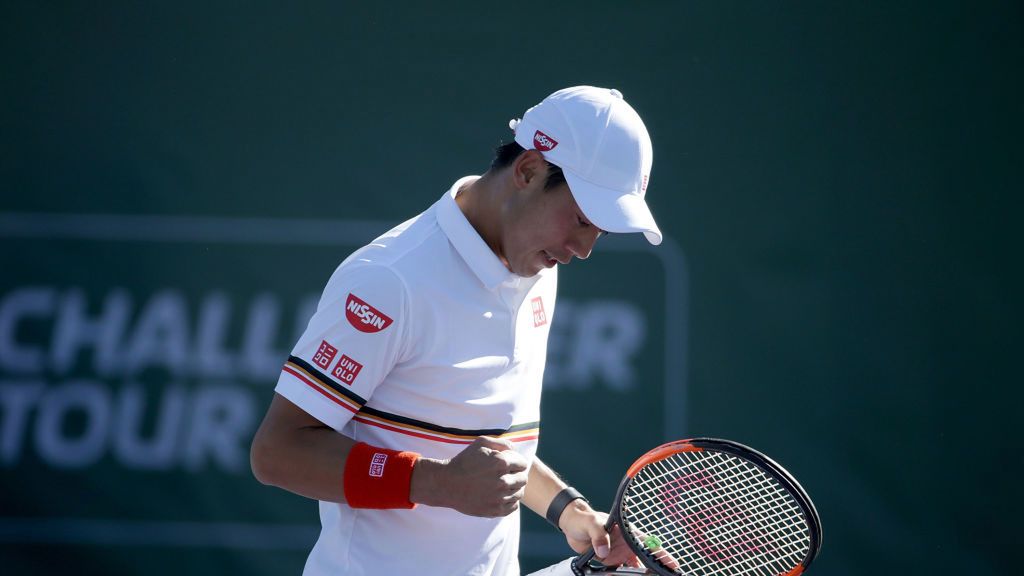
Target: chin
<point>527,271</point>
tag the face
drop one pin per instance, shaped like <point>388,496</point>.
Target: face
<point>541,228</point>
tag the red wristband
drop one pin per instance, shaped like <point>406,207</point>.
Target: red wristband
<point>378,478</point>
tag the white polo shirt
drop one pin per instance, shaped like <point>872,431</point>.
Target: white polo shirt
<point>423,341</point>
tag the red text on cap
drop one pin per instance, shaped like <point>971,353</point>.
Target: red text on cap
<point>542,141</point>
<point>364,317</point>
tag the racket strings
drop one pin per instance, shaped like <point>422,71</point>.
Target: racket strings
<point>716,527</point>
<point>721,531</point>
<point>721,551</point>
<point>717,514</point>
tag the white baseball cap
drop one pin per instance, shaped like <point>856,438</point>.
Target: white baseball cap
<point>603,148</point>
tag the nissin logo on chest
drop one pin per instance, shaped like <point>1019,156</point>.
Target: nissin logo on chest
<point>364,317</point>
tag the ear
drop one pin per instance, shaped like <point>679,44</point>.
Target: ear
<point>528,167</point>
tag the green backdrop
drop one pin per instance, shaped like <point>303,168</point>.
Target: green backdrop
<point>838,183</point>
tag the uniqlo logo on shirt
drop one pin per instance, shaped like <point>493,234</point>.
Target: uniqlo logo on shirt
<point>377,464</point>
<point>539,318</point>
<point>324,355</point>
<point>347,370</point>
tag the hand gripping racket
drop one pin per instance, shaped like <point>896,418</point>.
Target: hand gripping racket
<point>706,507</point>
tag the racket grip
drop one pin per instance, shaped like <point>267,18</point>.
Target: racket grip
<point>581,562</point>
<point>561,569</point>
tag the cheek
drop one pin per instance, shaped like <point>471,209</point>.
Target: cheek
<point>542,228</point>
<point>528,231</point>
<point>539,238</point>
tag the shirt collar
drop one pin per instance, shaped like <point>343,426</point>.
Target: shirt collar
<point>467,242</point>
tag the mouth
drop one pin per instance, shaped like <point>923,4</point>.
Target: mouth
<point>548,260</point>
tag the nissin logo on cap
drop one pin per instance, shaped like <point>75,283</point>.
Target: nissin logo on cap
<point>364,317</point>
<point>542,141</point>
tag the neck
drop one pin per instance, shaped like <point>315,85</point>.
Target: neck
<point>480,201</point>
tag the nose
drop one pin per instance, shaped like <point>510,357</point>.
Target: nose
<point>582,245</point>
<point>580,252</point>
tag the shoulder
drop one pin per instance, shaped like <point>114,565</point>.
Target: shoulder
<point>412,240</point>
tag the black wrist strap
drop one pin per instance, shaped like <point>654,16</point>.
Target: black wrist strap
<point>560,501</point>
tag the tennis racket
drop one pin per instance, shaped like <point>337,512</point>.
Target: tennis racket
<point>706,507</point>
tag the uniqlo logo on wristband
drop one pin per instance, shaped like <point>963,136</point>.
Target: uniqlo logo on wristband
<point>324,355</point>
<point>347,370</point>
<point>377,464</point>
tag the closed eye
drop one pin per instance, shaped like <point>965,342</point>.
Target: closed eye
<point>584,224</point>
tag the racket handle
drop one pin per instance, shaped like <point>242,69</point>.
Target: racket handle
<point>560,569</point>
<point>581,562</point>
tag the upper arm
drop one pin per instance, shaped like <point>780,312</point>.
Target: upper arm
<point>281,426</point>
<point>283,417</point>
<point>299,453</point>
<point>354,340</point>
<point>350,345</point>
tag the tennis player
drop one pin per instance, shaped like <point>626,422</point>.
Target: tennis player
<point>410,407</point>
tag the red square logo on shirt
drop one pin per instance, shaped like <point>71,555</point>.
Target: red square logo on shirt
<point>539,318</point>
<point>347,370</point>
<point>324,355</point>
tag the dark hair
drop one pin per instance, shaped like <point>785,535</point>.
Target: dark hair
<point>506,154</point>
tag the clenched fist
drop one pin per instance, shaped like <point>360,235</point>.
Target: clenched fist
<point>488,479</point>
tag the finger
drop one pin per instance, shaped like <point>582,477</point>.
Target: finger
<point>620,551</point>
<point>516,494</point>
<point>515,481</point>
<point>667,559</point>
<point>601,543</point>
<point>509,507</point>
<point>659,553</point>
<point>514,461</point>
<point>497,444</point>
<point>513,490</point>
<point>620,554</point>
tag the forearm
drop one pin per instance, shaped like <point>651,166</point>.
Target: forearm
<point>296,452</point>
<point>542,487</point>
<point>582,525</point>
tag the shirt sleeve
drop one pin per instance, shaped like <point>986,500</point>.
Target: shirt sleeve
<point>351,344</point>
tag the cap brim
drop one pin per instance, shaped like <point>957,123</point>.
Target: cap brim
<point>612,210</point>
